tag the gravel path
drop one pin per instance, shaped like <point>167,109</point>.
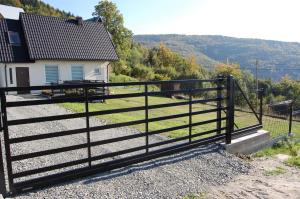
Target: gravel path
<point>168,177</point>
<point>258,183</point>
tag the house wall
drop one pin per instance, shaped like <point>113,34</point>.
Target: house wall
<point>2,75</point>
<point>37,71</point>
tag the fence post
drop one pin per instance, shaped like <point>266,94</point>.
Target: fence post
<point>219,104</point>
<point>230,107</point>
<point>261,91</point>
<point>291,119</point>
<point>7,146</point>
<point>190,115</point>
<point>146,118</point>
<point>87,118</point>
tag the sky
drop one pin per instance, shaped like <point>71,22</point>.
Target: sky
<point>263,19</point>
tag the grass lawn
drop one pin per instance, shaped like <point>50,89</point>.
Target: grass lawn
<point>275,126</point>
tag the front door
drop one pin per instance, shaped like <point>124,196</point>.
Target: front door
<point>22,74</point>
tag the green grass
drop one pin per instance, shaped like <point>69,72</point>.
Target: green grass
<point>275,172</point>
<point>288,147</point>
<point>294,161</point>
<point>195,196</point>
<point>242,119</point>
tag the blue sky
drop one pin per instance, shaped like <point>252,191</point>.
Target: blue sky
<point>265,19</point>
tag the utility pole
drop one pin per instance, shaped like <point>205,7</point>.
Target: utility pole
<point>256,77</point>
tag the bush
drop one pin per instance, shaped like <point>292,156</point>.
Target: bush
<point>121,78</point>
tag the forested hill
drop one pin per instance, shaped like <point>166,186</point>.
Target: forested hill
<point>282,57</point>
<point>37,7</point>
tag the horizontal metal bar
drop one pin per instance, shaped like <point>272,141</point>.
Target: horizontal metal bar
<point>181,115</point>
<point>45,119</point>
<point>116,96</point>
<point>47,135</point>
<point>208,121</point>
<point>246,130</point>
<point>156,106</point>
<point>113,111</point>
<point>43,102</point>
<point>82,172</point>
<point>184,91</point>
<point>93,85</point>
<point>117,125</point>
<point>48,152</point>
<point>50,168</point>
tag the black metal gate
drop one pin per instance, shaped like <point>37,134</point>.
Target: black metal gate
<point>24,180</point>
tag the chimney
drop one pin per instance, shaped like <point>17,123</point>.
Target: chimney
<point>79,21</point>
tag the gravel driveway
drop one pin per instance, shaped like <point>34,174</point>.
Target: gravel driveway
<point>168,177</point>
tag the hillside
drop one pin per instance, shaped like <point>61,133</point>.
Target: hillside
<point>275,58</point>
<point>37,7</point>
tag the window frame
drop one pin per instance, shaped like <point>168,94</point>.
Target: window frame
<point>97,73</point>
<point>10,39</point>
<point>11,80</point>
<point>58,75</point>
<point>83,73</point>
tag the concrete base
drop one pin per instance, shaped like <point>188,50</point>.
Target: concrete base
<point>249,143</point>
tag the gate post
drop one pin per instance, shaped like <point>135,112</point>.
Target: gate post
<point>291,118</point>
<point>261,91</point>
<point>7,148</point>
<point>230,109</point>
<point>219,103</point>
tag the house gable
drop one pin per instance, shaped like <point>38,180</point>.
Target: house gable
<point>66,39</point>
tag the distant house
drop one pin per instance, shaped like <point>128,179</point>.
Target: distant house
<point>40,50</point>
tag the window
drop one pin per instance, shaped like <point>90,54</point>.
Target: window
<point>14,38</point>
<point>51,74</point>
<point>97,71</point>
<point>77,72</point>
<point>11,76</point>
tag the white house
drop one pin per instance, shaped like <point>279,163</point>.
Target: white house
<point>39,50</point>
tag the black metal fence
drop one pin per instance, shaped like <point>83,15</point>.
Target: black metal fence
<point>24,180</point>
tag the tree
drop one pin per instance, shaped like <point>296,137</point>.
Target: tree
<point>229,69</point>
<point>114,23</point>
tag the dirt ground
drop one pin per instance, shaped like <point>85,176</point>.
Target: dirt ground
<point>270,178</point>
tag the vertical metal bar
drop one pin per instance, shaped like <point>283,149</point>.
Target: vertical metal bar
<point>6,142</point>
<point>87,118</point>
<point>2,174</point>
<point>190,115</point>
<point>291,119</point>
<point>146,117</point>
<point>219,105</point>
<point>230,111</point>
<point>261,106</point>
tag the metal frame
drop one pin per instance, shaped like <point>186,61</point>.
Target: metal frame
<point>192,139</point>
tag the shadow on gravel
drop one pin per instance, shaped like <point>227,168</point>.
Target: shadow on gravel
<point>171,159</point>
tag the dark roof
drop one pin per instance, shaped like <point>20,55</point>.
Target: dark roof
<point>53,38</point>
<point>8,52</point>
<point>58,38</point>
